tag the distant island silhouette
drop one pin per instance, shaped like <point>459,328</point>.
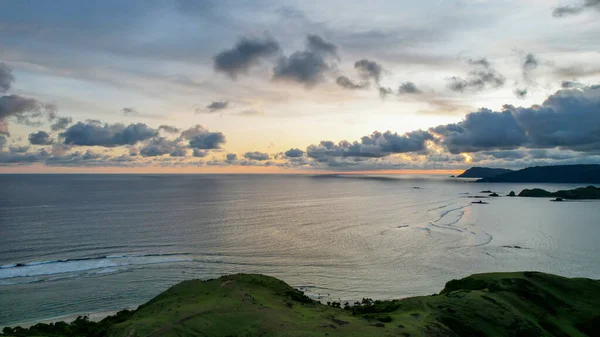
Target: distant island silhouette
<point>565,174</point>
<point>483,172</point>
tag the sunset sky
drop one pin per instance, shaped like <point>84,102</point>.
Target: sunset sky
<point>297,86</point>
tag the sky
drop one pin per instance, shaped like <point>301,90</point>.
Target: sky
<point>262,86</point>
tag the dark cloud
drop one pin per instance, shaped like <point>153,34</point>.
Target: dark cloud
<point>529,65</point>
<point>317,44</point>
<point>369,70</point>
<point>384,91</point>
<point>168,129</point>
<point>93,133</point>
<point>375,145</point>
<point>18,149</point>
<point>250,113</point>
<point>570,84</point>
<point>216,106</point>
<point>2,141</point>
<point>304,67</point>
<point>482,130</point>
<point>520,93</point>
<point>61,123</point>
<point>347,83</point>
<point>159,146</point>
<point>568,119</point>
<point>201,138</point>
<point>408,88</point>
<point>24,109</point>
<point>480,78</point>
<point>129,111</point>
<point>40,138</point>
<point>562,11</point>
<point>246,53</point>
<point>6,78</point>
<point>294,153</point>
<point>231,157</point>
<point>257,156</point>
<point>200,153</point>
<point>307,67</point>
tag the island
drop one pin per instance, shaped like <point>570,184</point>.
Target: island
<point>483,172</point>
<point>589,192</point>
<point>575,174</point>
<point>492,304</point>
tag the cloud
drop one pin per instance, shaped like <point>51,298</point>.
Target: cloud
<point>568,119</point>
<point>129,111</point>
<point>520,93</point>
<point>159,146</point>
<point>408,88</point>
<point>61,123</point>
<point>200,153</point>
<point>294,153</point>
<point>529,65</point>
<point>257,156</point>
<point>2,141</point>
<point>306,67</point>
<point>563,11</point>
<point>570,84</point>
<point>384,91</point>
<point>168,129</point>
<point>347,83</point>
<point>375,145</point>
<point>216,106</point>
<point>40,138</point>
<point>231,157</point>
<point>201,138</point>
<point>478,79</point>
<point>94,133</point>
<point>369,70</point>
<point>246,53</point>
<point>250,113</point>
<point>6,78</point>
<point>25,110</point>
<point>317,44</point>
<point>18,149</point>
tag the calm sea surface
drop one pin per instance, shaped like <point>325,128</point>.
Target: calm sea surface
<point>78,244</point>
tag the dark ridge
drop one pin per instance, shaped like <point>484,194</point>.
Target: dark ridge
<point>483,172</point>
<point>566,174</point>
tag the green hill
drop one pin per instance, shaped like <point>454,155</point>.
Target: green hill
<point>494,304</point>
<point>589,192</point>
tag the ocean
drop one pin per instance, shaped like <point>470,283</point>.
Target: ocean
<point>82,244</point>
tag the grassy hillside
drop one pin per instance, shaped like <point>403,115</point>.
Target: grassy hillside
<point>495,304</point>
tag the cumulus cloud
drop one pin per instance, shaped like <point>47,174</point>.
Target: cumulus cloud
<point>375,145</point>
<point>570,84</point>
<point>168,129</point>
<point>201,138</point>
<point>568,119</point>
<point>6,78</point>
<point>306,67</point>
<point>200,153</point>
<point>369,70</point>
<point>563,11</point>
<point>347,83</point>
<point>294,153</point>
<point>40,138</point>
<point>25,110</point>
<point>159,146</point>
<point>94,133</point>
<point>257,156</point>
<point>216,106</point>
<point>2,141</point>
<point>408,88</point>
<point>61,123</point>
<point>231,157</point>
<point>482,77</point>
<point>246,53</point>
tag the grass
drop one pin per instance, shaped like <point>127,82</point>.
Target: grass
<point>492,304</point>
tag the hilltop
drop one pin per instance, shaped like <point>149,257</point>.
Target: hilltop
<point>550,174</point>
<point>493,304</point>
<point>483,172</point>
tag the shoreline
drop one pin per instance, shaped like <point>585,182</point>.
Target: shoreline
<point>69,318</point>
